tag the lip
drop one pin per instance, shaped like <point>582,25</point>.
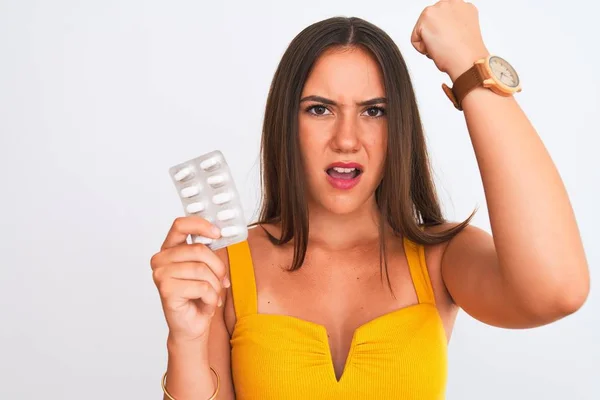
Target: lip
<point>344,184</point>
<point>345,165</point>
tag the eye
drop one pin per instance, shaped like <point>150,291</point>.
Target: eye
<point>317,110</point>
<point>375,112</point>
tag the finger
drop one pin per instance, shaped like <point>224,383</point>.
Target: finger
<point>202,290</point>
<point>191,253</point>
<point>194,271</point>
<point>189,225</point>
<point>420,47</point>
<point>191,290</point>
<point>416,39</point>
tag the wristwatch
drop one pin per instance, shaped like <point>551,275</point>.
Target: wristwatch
<point>491,72</point>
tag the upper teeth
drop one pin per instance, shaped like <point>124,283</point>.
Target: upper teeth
<point>343,170</point>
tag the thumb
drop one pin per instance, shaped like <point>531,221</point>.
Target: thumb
<point>417,40</point>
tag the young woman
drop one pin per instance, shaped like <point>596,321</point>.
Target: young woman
<point>350,282</point>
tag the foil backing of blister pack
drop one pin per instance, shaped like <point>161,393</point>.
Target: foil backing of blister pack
<point>206,189</point>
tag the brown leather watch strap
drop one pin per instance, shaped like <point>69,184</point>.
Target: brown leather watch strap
<point>463,85</point>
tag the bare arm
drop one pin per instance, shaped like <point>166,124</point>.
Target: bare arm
<point>533,270</point>
<point>192,281</point>
<point>188,370</point>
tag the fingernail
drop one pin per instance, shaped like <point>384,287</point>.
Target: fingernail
<point>220,303</point>
<point>215,231</point>
<point>226,282</point>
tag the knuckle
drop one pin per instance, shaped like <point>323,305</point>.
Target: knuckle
<point>199,251</point>
<point>156,277</point>
<point>178,223</point>
<point>218,268</point>
<point>472,6</point>
<point>212,292</point>
<point>199,270</point>
<point>205,287</point>
<point>154,261</point>
<point>165,290</point>
<point>221,270</point>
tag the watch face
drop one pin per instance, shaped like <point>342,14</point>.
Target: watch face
<point>504,72</point>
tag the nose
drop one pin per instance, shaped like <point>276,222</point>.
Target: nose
<point>346,135</point>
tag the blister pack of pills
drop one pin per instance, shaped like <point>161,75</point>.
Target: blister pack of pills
<point>206,189</point>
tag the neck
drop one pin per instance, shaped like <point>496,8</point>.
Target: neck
<point>344,231</point>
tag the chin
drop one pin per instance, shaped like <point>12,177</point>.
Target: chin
<point>339,198</point>
<point>342,203</point>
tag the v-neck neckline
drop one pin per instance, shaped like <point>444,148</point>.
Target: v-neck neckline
<point>323,333</point>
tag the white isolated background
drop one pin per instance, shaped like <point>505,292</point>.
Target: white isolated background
<point>99,98</point>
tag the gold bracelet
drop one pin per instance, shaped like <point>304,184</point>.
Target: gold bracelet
<point>213,397</point>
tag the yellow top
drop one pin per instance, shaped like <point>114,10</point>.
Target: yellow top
<point>399,355</point>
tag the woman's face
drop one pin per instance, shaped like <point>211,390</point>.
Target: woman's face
<point>343,129</point>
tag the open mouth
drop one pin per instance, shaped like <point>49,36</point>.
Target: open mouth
<point>344,173</point>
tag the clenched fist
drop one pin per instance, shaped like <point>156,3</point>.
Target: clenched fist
<point>449,33</point>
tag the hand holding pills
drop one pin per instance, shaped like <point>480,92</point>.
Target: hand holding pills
<point>190,279</point>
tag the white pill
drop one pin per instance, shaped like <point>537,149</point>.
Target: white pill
<point>203,240</point>
<point>216,180</point>
<point>208,164</point>
<point>182,174</point>
<point>194,207</point>
<point>222,198</point>
<point>190,191</point>
<point>226,215</point>
<point>230,231</point>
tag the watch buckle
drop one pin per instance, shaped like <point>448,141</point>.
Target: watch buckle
<point>451,96</point>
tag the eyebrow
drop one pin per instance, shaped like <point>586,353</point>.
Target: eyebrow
<point>376,100</point>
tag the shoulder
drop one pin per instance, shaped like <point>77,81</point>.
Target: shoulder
<point>434,256</point>
<point>469,235</point>
<point>468,231</point>
<point>223,254</point>
<point>469,238</point>
<point>257,241</point>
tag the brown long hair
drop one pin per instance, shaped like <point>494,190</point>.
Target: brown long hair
<point>406,197</point>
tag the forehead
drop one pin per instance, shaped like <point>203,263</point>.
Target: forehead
<point>345,74</point>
